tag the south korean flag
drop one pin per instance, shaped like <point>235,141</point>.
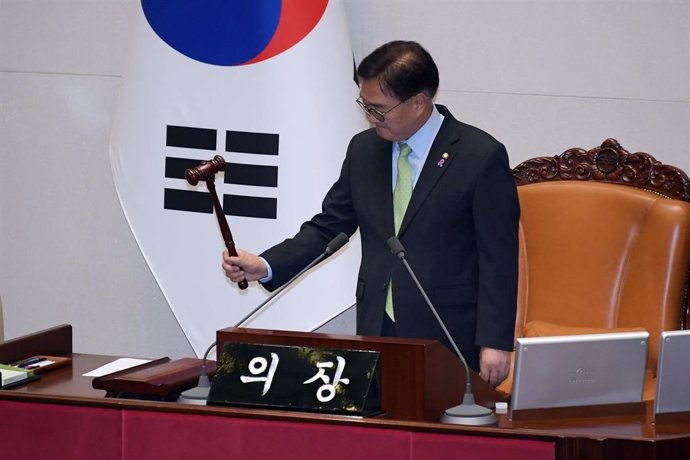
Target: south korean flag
<point>269,86</point>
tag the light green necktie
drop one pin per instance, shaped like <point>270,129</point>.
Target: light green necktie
<point>401,198</point>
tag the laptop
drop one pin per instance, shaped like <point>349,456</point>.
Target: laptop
<point>673,373</point>
<point>579,370</point>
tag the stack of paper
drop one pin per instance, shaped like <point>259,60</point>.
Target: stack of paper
<point>12,374</point>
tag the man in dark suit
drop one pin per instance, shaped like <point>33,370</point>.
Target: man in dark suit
<point>445,189</point>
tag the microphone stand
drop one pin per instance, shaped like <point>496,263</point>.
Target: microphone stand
<point>199,394</point>
<point>468,412</point>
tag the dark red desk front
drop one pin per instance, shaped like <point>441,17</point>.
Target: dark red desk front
<point>62,416</point>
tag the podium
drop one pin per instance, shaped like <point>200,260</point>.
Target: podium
<point>420,379</point>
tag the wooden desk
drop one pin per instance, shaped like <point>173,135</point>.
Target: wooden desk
<point>64,403</point>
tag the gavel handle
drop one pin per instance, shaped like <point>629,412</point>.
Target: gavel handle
<point>223,224</point>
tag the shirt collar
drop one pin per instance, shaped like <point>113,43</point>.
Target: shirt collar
<point>420,142</point>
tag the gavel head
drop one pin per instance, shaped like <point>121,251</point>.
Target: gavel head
<point>204,170</point>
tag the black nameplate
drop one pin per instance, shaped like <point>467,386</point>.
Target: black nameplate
<point>294,378</point>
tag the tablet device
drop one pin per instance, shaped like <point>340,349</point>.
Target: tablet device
<point>579,370</point>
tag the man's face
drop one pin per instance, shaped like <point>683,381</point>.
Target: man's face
<point>398,124</point>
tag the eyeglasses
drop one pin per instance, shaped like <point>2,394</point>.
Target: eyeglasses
<point>380,116</point>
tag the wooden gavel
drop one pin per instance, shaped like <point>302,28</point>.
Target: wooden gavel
<point>206,171</point>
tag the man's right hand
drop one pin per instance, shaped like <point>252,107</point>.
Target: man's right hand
<point>244,266</point>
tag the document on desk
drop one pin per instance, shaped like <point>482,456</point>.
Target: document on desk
<point>115,366</point>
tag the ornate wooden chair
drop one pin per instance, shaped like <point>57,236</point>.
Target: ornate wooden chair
<point>604,245</point>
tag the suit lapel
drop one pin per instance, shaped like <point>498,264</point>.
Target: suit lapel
<point>442,152</point>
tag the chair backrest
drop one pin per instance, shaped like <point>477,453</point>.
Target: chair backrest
<point>604,242</point>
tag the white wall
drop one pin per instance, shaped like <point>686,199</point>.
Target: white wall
<point>66,252</point>
<point>542,76</point>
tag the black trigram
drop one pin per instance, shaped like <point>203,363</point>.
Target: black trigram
<point>235,173</point>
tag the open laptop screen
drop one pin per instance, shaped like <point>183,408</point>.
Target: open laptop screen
<point>579,370</point>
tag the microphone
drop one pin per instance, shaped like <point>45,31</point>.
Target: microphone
<point>468,412</point>
<point>199,394</point>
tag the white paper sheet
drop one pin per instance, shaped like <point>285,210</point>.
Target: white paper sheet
<point>117,365</point>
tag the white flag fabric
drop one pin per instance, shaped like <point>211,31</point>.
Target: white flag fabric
<point>270,87</point>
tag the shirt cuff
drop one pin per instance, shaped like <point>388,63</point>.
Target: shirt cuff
<point>269,272</point>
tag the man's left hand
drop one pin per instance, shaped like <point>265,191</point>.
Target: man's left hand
<point>494,365</point>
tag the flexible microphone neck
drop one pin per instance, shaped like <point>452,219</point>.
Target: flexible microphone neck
<point>200,392</point>
<point>332,247</point>
<point>467,413</point>
<point>204,361</point>
<point>398,250</point>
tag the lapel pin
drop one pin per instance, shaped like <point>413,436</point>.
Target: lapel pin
<point>443,159</point>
